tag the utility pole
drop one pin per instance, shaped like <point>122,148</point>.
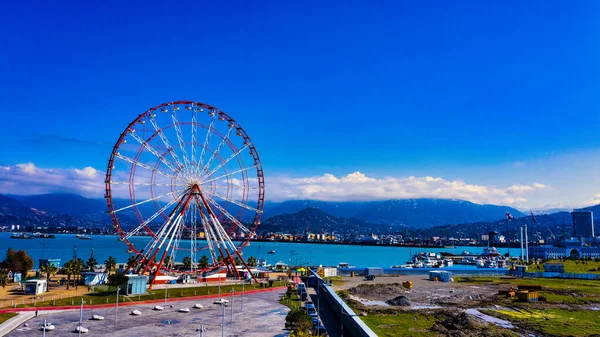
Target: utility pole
<point>166,284</point>
<point>44,329</point>
<point>242,308</point>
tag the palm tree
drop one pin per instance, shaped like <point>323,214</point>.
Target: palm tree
<point>203,262</point>
<point>187,262</point>
<point>68,268</point>
<point>110,264</point>
<point>168,262</point>
<point>3,277</point>
<point>237,261</point>
<point>91,263</point>
<point>132,262</point>
<point>252,262</point>
<point>49,269</point>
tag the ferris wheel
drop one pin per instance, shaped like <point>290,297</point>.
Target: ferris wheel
<point>188,176</point>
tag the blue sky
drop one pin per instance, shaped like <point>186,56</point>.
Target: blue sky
<point>489,94</point>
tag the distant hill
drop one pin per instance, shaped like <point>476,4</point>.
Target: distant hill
<point>416,213</point>
<point>318,222</point>
<point>63,203</point>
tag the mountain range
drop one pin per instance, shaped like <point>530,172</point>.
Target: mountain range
<point>294,215</point>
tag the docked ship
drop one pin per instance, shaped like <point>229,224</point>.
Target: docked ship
<point>21,235</point>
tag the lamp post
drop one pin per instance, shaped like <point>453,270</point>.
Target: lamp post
<point>222,320</point>
<point>117,306</point>
<point>166,284</point>
<point>231,305</point>
<point>242,308</point>
<point>80,316</point>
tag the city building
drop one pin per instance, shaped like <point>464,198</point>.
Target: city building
<point>583,223</point>
<point>572,248</point>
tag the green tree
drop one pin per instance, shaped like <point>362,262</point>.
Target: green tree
<point>91,263</point>
<point>298,321</point>
<point>18,260</point>
<point>3,277</point>
<point>132,262</point>
<point>168,262</point>
<point>49,269</point>
<point>252,262</point>
<point>110,264</point>
<point>69,270</point>
<point>237,261</point>
<point>203,262</point>
<point>220,259</point>
<point>117,279</point>
<point>187,262</point>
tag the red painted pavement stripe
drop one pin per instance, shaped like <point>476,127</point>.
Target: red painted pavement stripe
<point>127,304</point>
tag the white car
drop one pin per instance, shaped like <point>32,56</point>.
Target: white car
<point>158,307</point>
<point>198,306</point>
<point>184,310</point>
<point>136,312</point>
<point>81,329</point>
<point>221,301</point>
<point>47,326</point>
<point>97,318</point>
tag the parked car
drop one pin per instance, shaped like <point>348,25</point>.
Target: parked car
<point>370,277</point>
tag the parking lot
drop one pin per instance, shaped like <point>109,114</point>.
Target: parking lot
<point>262,315</point>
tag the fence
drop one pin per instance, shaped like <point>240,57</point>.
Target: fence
<point>351,322</point>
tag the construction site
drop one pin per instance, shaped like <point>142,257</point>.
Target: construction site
<point>423,305</point>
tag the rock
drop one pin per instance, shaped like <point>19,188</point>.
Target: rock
<point>399,301</point>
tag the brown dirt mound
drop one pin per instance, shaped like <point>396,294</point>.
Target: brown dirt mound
<point>377,291</point>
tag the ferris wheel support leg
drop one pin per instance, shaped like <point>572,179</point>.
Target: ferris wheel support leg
<point>158,269</point>
<point>246,265</point>
<point>129,267</point>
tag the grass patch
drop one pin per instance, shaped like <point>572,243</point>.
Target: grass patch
<point>556,322</point>
<point>401,324</point>
<point>335,280</point>
<point>291,302</point>
<point>103,296</point>
<point>557,291</point>
<point>6,316</point>
<point>577,267</point>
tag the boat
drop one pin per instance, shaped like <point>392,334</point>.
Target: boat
<point>345,265</point>
<point>479,263</point>
<point>490,264</point>
<point>271,252</point>
<point>83,237</point>
<point>43,236</point>
<point>21,236</point>
<point>448,262</point>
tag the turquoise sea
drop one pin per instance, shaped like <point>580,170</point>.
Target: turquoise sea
<point>65,245</point>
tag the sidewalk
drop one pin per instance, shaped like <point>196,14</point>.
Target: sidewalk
<point>15,322</point>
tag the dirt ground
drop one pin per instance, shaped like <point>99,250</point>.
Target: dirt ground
<point>13,293</point>
<point>424,293</point>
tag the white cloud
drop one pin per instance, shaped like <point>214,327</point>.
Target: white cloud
<point>88,172</point>
<point>358,186</point>
<point>88,181</point>
<point>518,164</point>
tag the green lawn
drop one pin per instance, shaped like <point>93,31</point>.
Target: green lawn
<point>103,296</point>
<point>580,267</point>
<point>556,322</point>
<point>6,316</point>
<point>335,280</point>
<point>558,291</point>
<point>402,324</point>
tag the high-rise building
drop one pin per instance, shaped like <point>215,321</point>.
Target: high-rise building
<point>583,223</point>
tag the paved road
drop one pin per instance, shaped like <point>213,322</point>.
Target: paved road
<point>328,317</point>
<point>262,316</point>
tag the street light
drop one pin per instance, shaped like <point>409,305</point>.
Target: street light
<point>80,317</point>
<point>231,317</point>
<point>117,306</point>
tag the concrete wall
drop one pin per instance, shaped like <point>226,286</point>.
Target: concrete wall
<point>352,323</point>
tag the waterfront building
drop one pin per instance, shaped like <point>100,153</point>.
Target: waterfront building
<point>572,248</point>
<point>583,223</point>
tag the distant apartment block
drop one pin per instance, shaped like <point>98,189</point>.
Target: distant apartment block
<point>583,223</point>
